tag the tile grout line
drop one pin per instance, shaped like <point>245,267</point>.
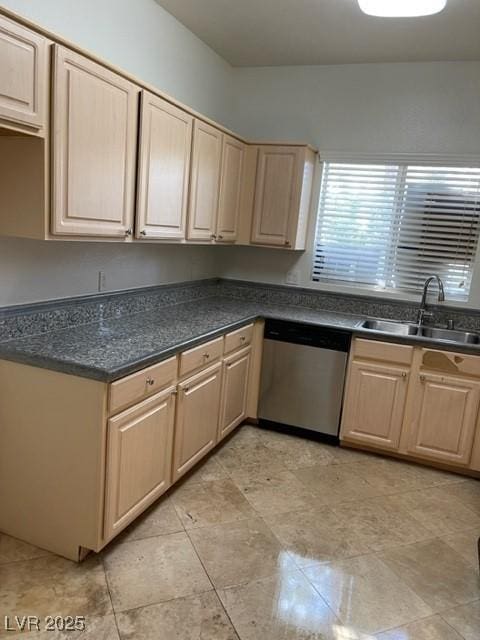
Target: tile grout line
<point>452,627</point>
<point>111,599</point>
<point>213,586</point>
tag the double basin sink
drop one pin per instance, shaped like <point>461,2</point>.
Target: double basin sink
<point>435,333</point>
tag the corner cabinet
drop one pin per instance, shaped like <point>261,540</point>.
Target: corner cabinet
<point>164,169</point>
<point>419,403</point>
<point>94,148</point>
<point>204,182</point>
<point>283,190</point>
<point>229,203</point>
<point>23,78</point>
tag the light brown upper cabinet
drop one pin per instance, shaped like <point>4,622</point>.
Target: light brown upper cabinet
<point>23,77</point>
<point>442,418</point>
<point>204,182</point>
<point>164,169</point>
<point>230,189</point>
<point>95,115</point>
<point>283,192</point>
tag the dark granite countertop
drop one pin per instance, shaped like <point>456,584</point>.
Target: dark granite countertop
<point>113,348</point>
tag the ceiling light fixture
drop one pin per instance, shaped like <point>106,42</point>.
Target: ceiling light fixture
<point>401,8</point>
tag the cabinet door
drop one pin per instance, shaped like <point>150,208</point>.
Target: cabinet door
<point>139,459</point>
<point>234,391</point>
<point>23,77</point>
<point>442,417</point>
<point>94,148</point>
<point>197,418</point>
<point>277,195</point>
<point>164,167</point>
<point>205,182</point>
<point>230,189</point>
<point>374,404</point>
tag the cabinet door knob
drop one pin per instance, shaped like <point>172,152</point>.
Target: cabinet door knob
<point>128,232</point>
<point>206,356</point>
<point>422,378</point>
<point>150,381</point>
<point>143,232</point>
<point>220,237</point>
<point>213,236</point>
<point>404,374</point>
<point>242,338</point>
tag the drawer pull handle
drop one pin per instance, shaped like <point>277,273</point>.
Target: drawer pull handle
<point>150,381</point>
<point>242,338</point>
<point>206,356</point>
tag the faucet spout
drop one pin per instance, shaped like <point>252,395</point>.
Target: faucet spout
<point>441,296</point>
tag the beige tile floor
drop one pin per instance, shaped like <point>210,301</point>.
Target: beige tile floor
<point>273,538</point>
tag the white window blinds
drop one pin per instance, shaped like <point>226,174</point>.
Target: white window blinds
<point>393,225</point>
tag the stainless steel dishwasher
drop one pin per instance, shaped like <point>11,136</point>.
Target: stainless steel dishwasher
<point>303,374</point>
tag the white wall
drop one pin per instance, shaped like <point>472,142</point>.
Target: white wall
<point>32,271</point>
<point>142,38</point>
<point>414,107</point>
<point>430,107</point>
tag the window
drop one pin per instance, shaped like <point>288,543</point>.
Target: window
<point>393,225</point>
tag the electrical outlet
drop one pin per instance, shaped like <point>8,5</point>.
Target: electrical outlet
<point>102,281</point>
<point>293,277</point>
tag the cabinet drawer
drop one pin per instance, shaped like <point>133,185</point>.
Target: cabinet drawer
<point>239,338</point>
<point>139,385</point>
<point>386,351</point>
<point>200,356</point>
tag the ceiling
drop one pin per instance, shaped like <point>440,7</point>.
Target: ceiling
<point>304,32</point>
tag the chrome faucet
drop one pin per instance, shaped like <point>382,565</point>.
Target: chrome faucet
<point>422,312</point>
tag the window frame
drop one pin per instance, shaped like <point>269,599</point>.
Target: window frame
<point>374,290</point>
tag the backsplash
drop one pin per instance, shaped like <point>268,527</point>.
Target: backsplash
<point>28,320</point>
<point>345,303</point>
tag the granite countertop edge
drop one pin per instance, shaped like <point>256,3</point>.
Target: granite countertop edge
<point>17,350</point>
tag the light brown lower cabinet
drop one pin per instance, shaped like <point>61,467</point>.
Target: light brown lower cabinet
<point>423,406</point>
<point>234,392</point>
<point>442,418</point>
<point>139,459</point>
<point>196,423</point>
<point>93,455</point>
<point>375,404</point>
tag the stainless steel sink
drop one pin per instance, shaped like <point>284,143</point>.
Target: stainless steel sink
<point>449,335</point>
<point>435,333</point>
<point>397,328</point>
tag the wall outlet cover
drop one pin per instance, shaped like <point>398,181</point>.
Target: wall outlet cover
<point>102,281</point>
